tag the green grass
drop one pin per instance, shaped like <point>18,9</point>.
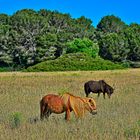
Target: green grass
<point>117,118</point>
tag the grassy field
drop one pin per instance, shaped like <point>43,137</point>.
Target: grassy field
<point>118,118</point>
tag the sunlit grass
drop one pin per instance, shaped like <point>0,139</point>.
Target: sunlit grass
<point>21,93</point>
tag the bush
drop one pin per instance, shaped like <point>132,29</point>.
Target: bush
<point>74,62</point>
<point>83,45</point>
<point>16,120</point>
<point>4,69</point>
<point>135,64</point>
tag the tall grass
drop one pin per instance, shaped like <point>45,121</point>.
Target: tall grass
<point>117,118</point>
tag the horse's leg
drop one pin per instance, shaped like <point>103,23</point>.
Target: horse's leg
<point>87,90</point>
<point>67,115</point>
<point>108,95</point>
<point>47,113</point>
<point>104,95</point>
<point>87,94</point>
<point>98,94</point>
<point>42,109</point>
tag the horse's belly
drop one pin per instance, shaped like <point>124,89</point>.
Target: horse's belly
<point>95,90</point>
<point>56,107</point>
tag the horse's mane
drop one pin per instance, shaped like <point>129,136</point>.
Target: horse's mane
<point>77,104</point>
<point>71,95</point>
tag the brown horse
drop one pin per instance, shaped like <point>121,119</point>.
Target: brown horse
<point>66,103</point>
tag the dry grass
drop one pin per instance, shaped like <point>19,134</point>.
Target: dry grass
<point>21,92</point>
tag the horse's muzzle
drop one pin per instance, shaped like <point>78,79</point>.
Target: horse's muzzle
<point>93,112</point>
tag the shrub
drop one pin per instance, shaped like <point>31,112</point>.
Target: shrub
<point>135,64</point>
<point>83,45</point>
<point>16,120</point>
<point>74,62</point>
<point>4,69</point>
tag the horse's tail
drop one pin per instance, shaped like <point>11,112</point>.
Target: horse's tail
<point>42,109</point>
<point>86,88</point>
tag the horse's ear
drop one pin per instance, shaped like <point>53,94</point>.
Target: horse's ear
<point>90,100</point>
<point>103,81</point>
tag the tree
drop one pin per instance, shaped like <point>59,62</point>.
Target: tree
<point>110,24</point>
<point>29,25</point>
<point>46,47</point>
<point>4,19</point>
<point>29,37</point>
<point>83,45</point>
<point>8,42</point>
<point>132,34</point>
<point>114,47</point>
<point>85,26</point>
<point>57,22</point>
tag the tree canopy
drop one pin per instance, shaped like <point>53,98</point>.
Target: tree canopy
<point>29,37</point>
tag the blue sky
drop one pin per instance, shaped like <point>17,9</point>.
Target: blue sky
<point>127,10</point>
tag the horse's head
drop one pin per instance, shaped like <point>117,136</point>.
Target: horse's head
<point>90,105</point>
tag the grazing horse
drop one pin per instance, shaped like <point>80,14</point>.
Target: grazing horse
<point>66,103</point>
<point>98,87</point>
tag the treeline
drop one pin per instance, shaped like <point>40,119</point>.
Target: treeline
<point>29,37</point>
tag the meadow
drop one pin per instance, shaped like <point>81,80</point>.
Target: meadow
<point>118,118</point>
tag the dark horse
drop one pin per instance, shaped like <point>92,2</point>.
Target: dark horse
<point>98,87</point>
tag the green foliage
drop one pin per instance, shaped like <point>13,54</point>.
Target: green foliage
<point>83,45</point>
<point>75,61</point>
<point>123,46</point>
<point>46,47</point>
<point>132,34</point>
<point>28,24</point>
<point>29,37</point>
<point>4,19</point>
<point>109,24</point>
<point>8,42</point>
<point>134,64</point>
<point>114,47</point>
<point>4,69</point>
<point>16,120</point>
